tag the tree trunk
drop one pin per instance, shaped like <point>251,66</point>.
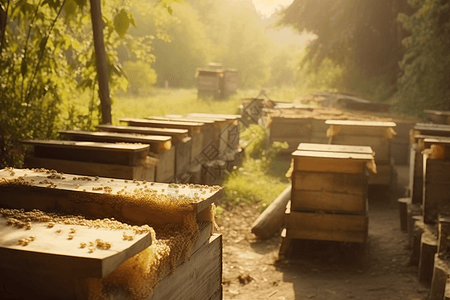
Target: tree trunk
<point>102,67</point>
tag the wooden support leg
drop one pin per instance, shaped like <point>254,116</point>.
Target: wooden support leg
<point>428,249</point>
<point>416,240</point>
<point>285,245</point>
<point>403,211</point>
<point>440,276</point>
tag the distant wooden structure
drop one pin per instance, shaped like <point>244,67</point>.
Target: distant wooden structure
<point>217,81</point>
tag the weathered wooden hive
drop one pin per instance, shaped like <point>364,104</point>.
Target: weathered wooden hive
<point>78,237</point>
<point>377,135</point>
<point>329,194</point>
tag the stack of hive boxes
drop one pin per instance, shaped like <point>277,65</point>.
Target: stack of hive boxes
<point>79,237</point>
<point>377,135</point>
<point>329,194</point>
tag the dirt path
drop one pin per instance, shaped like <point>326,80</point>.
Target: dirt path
<point>321,270</point>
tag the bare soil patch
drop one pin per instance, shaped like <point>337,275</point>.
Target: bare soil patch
<point>322,270</point>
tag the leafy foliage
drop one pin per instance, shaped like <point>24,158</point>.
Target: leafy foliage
<point>360,36</point>
<point>47,62</point>
<point>423,83</point>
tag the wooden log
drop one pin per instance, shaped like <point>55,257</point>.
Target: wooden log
<point>403,212</point>
<point>440,277</point>
<point>428,249</point>
<point>272,219</point>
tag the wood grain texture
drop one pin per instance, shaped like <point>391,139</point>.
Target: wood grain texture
<point>313,161</point>
<point>93,169</point>
<point>165,168</point>
<point>177,134</point>
<point>157,142</point>
<point>199,278</point>
<point>53,254</point>
<point>335,148</point>
<point>379,144</point>
<point>106,153</point>
<point>355,184</point>
<point>192,127</point>
<point>329,227</point>
<point>331,202</point>
<point>89,198</point>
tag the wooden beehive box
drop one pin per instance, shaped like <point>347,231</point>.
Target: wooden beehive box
<point>166,171</point>
<point>436,178</point>
<point>329,194</point>
<point>55,266</point>
<point>184,150</point>
<point>420,132</point>
<point>127,161</point>
<point>160,147</point>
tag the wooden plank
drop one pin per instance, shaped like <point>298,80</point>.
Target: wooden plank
<point>436,189</point>
<point>428,249</point>
<point>192,127</point>
<point>311,201</point>
<point>99,197</point>
<point>379,144</point>
<point>215,116</point>
<point>54,254</point>
<point>199,278</point>
<point>335,148</point>
<point>433,129</point>
<point>329,227</point>
<point>355,184</point>
<point>290,127</point>
<point>157,142</point>
<point>351,123</point>
<point>182,156</point>
<point>165,168</point>
<point>335,162</point>
<point>143,172</point>
<point>178,135</point>
<point>106,153</point>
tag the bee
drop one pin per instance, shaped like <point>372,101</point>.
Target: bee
<point>70,237</point>
<point>82,245</point>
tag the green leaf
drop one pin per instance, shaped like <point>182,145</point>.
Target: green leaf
<point>70,7</point>
<point>121,23</point>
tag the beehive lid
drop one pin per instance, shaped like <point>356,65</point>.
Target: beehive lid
<point>335,148</point>
<point>50,185</point>
<point>360,123</point>
<point>432,129</point>
<point>333,155</point>
<point>52,252</point>
<point>214,116</point>
<point>177,135</point>
<point>88,145</point>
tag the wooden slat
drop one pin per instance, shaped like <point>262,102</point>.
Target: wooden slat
<point>328,227</point>
<point>433,129</point>
<point>335,148</point>
<point>106,153</point>
<point>90,197</point>
<point>178,135</point>
<point>311,201</point>
<point>94,169</point>
<point>53,254</point>
<point>192,127</point>
<point>215,116</point>
<point>325,164</point>
<point>379,144</point>
<point>157,142</point>
<point>198,278</point>
<point>330,182</point>
<point>333,155</point>
<point>360,123</point>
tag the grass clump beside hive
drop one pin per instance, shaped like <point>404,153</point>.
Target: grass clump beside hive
<point>260,178</point>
